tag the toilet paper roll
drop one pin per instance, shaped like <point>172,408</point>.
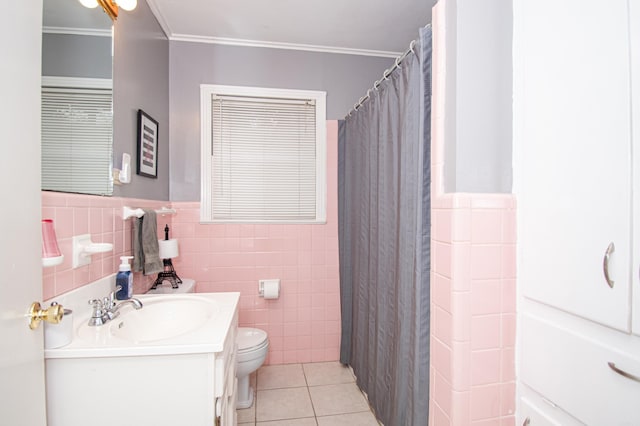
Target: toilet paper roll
<point>271,289</point>
<point>168,249</point>
<point>61,334</point>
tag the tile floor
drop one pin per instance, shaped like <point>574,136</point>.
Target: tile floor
<point>316,394</point>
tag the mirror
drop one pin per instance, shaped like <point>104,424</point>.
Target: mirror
<point>77,109</point>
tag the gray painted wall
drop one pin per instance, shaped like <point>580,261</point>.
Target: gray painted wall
<point>478,147</point>
<point>345,78</point>
<point>140,81</point>
<point>68,55</point>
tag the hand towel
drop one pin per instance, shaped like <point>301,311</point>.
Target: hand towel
<point>146,257</point>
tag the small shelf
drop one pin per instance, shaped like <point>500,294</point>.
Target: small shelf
<point>94,248</point>
<point>48,262</point>
<point>83,248</point>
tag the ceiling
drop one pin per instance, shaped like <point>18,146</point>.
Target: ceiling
<point>375,27</point>
<point>368,27</point>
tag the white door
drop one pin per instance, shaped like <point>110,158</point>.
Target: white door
<point>634,19</point>
<point>22,396</point>
<point>575,157</point>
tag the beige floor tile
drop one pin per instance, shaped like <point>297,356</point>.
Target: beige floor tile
<point>282,404</point>
<point>281,376</point>
<point>327,373</point>
<point>353,419</point>
<point>310,421</point>
<point>283,398</point>
<point>337,399</point>
<point>247,415</point>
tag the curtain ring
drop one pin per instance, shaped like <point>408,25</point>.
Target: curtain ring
<point>412,45</point>
<point>398,62</point>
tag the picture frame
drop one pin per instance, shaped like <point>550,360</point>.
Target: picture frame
<point>147,164</point>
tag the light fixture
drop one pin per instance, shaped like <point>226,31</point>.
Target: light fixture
<point>91,4</point>
<point>128,5</point>
<point>111,6</point>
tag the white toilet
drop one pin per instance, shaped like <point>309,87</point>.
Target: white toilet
<point>253,345</point>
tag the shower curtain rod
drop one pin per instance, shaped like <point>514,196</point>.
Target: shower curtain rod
<point>385,75</point>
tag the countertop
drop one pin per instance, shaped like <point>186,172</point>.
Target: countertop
<point>99,341</point>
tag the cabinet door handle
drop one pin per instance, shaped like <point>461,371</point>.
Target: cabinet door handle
<point>623,373</point>
<point>605,264</point>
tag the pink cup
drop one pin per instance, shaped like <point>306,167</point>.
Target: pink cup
<point>49,240</point>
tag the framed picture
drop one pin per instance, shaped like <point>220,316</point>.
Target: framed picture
<point>147,145</point>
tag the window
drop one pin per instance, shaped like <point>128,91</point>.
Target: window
<point>263,155</point>
<point>77,120</point>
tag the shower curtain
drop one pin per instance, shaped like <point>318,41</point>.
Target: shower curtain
<point>384,235</point>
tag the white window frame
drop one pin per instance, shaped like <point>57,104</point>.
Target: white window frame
<point>206,93</point>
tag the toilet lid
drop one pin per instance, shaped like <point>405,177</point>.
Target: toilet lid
<point>250,337</point>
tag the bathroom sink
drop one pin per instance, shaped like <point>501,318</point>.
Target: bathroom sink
<point>166,324</point>
<point>162,318</point>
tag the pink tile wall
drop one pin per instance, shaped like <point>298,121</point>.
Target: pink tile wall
<point>304,323</point>
<point>101,217</point>
<point>473,309</point>
<point>472,288</point>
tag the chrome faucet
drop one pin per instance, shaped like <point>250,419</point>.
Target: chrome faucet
<point>115,310</point>
<point>106,309</point>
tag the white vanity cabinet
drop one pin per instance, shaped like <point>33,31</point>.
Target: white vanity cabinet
<point>188,379</point>
<point>226,384</point>
<point>577,179</point>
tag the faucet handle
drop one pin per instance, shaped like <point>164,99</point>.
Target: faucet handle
<point>112,297</point>
<point>98,307</point>
<point>98,314</point>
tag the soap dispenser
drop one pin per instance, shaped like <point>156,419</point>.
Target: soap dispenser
<point>124,279</point>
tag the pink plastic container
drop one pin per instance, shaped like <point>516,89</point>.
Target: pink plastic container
<point>49,241</point>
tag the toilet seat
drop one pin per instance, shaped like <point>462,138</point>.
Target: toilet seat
<point>251,339</point>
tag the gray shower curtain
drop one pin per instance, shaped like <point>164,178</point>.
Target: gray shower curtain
<point>384,234</point>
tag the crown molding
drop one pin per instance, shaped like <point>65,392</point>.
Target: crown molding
<point>160,18</point>
<point>77,31</point>
<point>288,46</point>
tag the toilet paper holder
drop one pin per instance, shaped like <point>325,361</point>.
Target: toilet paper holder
<point>270,284</point>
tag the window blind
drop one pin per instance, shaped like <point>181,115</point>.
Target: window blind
<point>77,140</point>
<point>263,159</point>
